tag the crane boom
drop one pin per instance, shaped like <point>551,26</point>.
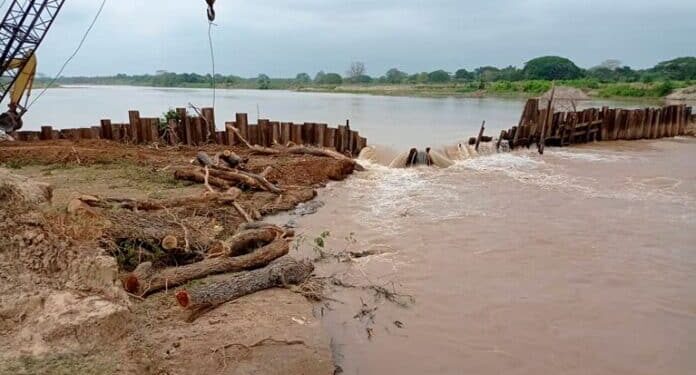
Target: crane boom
<point>23,28</point>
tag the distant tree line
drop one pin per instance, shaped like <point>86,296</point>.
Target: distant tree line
<point>544,68</point>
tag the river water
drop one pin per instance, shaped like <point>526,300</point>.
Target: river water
<point>580,261</point>
<point>395,122</point>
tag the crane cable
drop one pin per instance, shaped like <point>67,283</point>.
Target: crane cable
<point>77,50</point>
<point>212,57</point>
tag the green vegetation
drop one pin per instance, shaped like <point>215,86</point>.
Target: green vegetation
<point>609,79</point>
<point>551,68</point>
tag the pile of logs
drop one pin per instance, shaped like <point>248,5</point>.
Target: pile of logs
<point>255,257</point>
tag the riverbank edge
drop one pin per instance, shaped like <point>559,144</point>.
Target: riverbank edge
<point>406,91</point>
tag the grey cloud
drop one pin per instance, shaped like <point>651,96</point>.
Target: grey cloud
<point>284,37</point>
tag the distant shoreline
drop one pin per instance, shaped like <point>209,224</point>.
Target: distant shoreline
<point>403,90</point>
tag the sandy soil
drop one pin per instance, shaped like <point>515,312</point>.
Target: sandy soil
<point>62,308</point>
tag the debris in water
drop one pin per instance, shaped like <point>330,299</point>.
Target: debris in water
<point>308,208</point>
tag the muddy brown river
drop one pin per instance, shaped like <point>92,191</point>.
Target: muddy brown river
<point>582,261</point>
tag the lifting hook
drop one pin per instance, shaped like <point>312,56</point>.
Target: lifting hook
<point>211,10</point>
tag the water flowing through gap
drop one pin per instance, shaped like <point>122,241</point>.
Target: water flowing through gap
<point>579,261</point>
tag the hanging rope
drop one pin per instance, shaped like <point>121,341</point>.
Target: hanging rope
<point>77,50</point>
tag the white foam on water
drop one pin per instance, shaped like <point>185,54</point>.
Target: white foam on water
<point>594,156</point>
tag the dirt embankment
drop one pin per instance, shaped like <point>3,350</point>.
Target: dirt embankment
<point>62,305</point>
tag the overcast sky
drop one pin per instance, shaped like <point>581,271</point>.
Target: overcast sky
<point>284,37</point>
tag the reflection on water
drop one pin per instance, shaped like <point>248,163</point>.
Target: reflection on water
<point>578,261</point>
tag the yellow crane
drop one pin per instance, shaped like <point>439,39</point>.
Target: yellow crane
<point>23,28</point>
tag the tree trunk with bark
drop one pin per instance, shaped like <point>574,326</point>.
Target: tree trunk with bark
<point>281,272</point>
<point>146,279</point>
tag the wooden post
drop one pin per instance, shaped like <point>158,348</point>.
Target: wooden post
<point>144,130</point>
<point>242,125</point>
<point>253,134</point>
<point>308,133</point>
<point>330,138</point>
<point>134,130</point>
<point>196,135</point>
<point>681,124</point>
<point>209,116</point>
<point>657,119</point>
<point>674,123</point>
<point>546,122</point>
<point>604,127</point>
<point>46,133</point>
<point>285,133</point>
<point>106,131</point>
<point>275,132</point>
<point>230,139</point>
<point>264,130</point>
<point>341,138</point>
<point>319,134</point>
<point>362,143</point>
<point>480,134</point>
<point>296,133</point>
<point>96,132</point>
<point>184,137</point>
<point>154,129</point>
<point>354,142</point>
<point>642,125</point>
<point>188,130</point>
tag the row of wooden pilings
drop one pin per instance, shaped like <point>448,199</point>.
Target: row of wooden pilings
<point>596,124</point>
<point>201,129</point>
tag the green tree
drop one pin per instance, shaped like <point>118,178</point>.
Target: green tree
<point>509,73</point>
<point>682,68</point>
<point>463,75</point>
<point>330,79</point>
<point>303,78</point>
<point>551,68</point>
<point>438,76</point>
<point>395,76</point>
<point>319,77</point>
<point>263,82</point>
<point>487,73</point>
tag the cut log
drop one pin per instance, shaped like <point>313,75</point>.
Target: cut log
<point>242,242</point>
<point>146,279</point>
<point>196,176</point>
<point>231,159</point>
<point>262,181</point>
<point>324,152</point>
<point>249,179</point>
<point>254,148</point>
<point>204,160</point>
<point>225,198</point>
<point>281,272</point>
<point>169,242</point>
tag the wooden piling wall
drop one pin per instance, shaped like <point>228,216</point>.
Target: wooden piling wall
<point>200,130</point>
<point>597,124</point>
